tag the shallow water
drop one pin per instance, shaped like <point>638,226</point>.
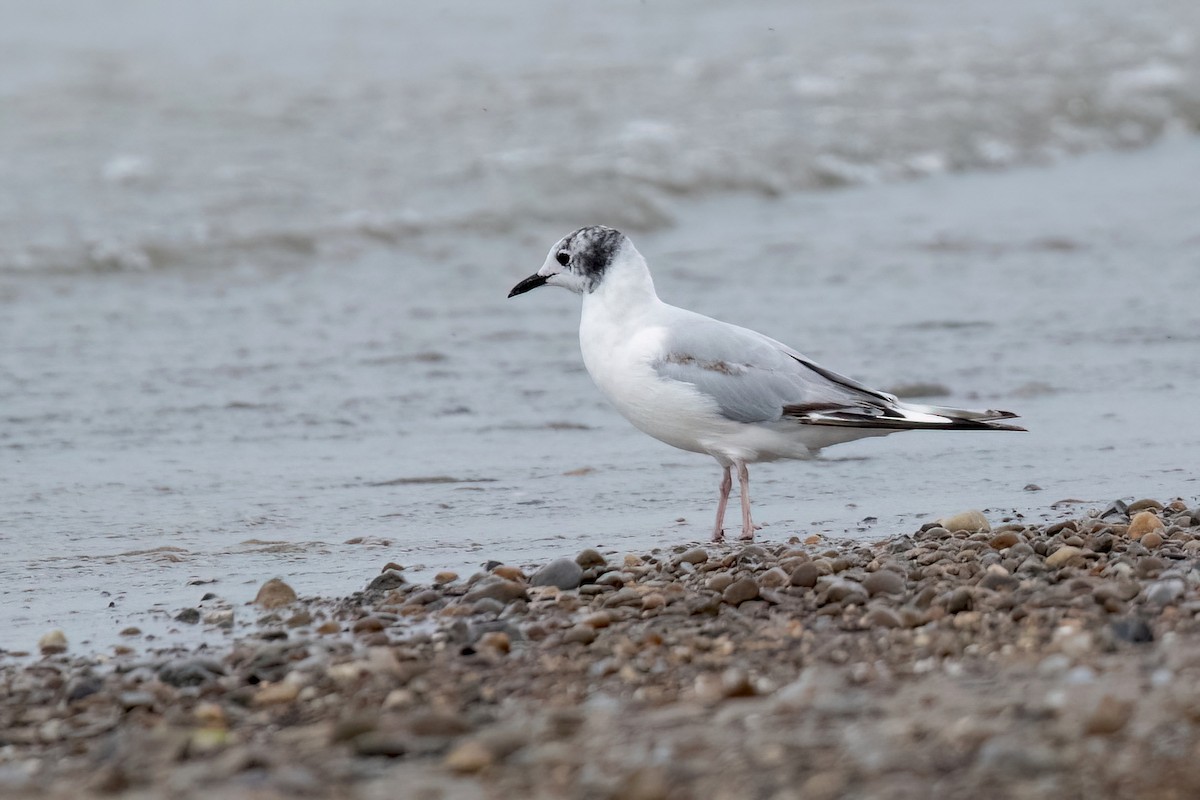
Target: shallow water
<point>291,374</point>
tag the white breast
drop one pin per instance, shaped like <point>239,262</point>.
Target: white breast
<point>619,354</point>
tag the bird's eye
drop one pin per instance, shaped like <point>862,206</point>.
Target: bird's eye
<point>563,257</point>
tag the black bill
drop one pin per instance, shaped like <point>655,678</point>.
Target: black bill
<point>532,282</point>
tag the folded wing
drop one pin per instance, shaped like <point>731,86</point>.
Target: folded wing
<point>755,379</point>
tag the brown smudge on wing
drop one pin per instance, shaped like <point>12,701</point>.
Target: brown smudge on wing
<point>723,367</point>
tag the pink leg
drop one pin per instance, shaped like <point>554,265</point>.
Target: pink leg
<point>726,485</point>
<point>744,481</point>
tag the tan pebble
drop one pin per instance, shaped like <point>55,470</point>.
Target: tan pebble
<point>210,714</point>
<point>133,631</point>
<point>509,573</point>
<point>632,560</point>
<point>1151,540</point>
<point>719,582</point>
<point>1109,716</point>
<point>823,786</point>
<point>274,594</point>
<point>601,619</point>
<point>543,592</point>
<point>582,634</point>
<point>740,591</point>
<point>1147,504</point>
<point>1003,540</point>
<point>653,600</point>
<point>122,650</point>
<point>207,740</point>
<point>299,619</point>
<point>774,578</point>
<point>496,640</point>
<point>590,557</point>
<point>814,539</point>
<point>53,642</point>
<point>469,756</point>
<point>882,618</point>
<point>445,576</point>
<point>399,698</point>
<point>275,694</point>
<point>970,521</point>
<point>1142,523</point>
<point>1062,555</point>
<point>367,625</point>
<point>645,783</point>
<point>345,673</point>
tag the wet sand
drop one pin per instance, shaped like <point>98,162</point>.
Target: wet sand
<point>969,658</point>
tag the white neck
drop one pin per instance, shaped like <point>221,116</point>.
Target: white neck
<point>626,289</point>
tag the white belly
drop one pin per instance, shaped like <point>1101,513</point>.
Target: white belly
<point>622,370</point>
<point>620,359</point>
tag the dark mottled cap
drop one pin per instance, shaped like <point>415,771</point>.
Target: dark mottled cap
<point>591,250</point>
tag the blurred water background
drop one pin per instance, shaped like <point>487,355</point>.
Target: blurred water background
<point>254,258</point>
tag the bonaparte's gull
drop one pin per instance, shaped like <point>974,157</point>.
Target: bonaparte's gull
<point>710,387</point>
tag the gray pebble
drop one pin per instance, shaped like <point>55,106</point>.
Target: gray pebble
<point>613,578</point>
<point>740,591</point>
<point>751,554</point>
<point>884,581</point>
<point>382,743</point>
<point>386,581</point>
<point>623,597</point>
<point>563,573</point>
<point>190,672</point>
<point>703,604</point>
<point>1167,590</point>
<point>996,581</point>
<point>845,591</point>
<point>424,597</point>
<point>580,634</point>
<point>1133,630</point>
<point>880,617</point>
<point>806,575</point>
<point>1149,567</point>
<point>487,605</point>
<point>957,600</point>
<point>83,686</point>
<point>496,588</point>
<point>131,700</point>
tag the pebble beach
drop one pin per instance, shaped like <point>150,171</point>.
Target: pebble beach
<point>970,657</point>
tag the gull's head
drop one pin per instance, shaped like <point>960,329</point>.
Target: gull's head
<point>579,261</point>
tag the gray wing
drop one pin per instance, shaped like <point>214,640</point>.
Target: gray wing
<point>752,378</point>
